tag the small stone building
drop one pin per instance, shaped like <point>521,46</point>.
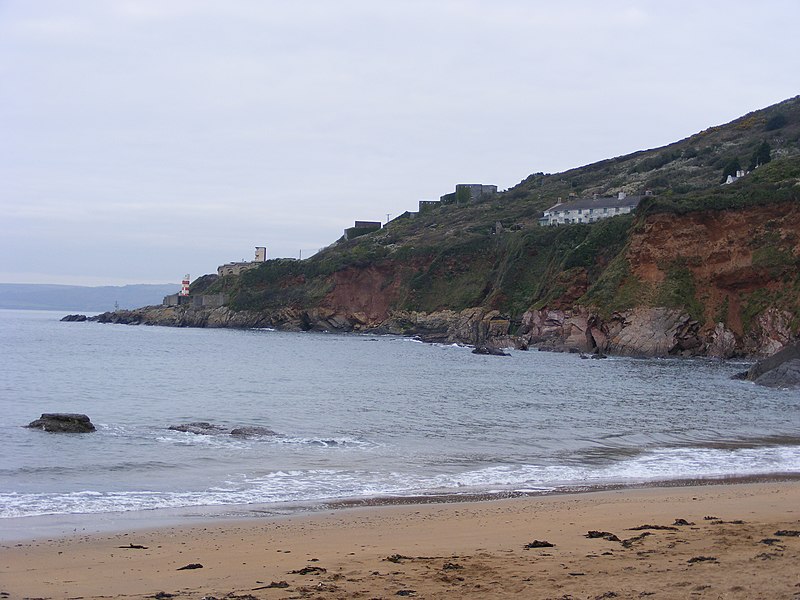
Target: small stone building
<point>469,192</point>
<point>361,228</point>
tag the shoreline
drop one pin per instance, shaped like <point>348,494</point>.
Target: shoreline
<point>710,541</point>
<point>33,528</point>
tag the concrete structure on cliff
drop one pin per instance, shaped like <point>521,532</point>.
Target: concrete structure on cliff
<point>361,228</point>
<point>469,192</point>
<point>589,210</point>
<point>235,268</point>
<point>466,193</point>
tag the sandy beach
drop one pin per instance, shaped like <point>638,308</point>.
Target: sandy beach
<point>708,541</point>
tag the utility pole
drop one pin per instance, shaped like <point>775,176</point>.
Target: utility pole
<point>387,217</point>
<point>301,255</point>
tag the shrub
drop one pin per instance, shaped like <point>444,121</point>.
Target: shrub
<point>776,122</point>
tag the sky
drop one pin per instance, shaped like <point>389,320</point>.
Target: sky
<point>141,140</point>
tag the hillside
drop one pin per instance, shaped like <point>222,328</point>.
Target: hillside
<point>712,268</point>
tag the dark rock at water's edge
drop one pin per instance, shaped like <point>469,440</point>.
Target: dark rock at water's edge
<point>62,423</point>
<point>120,317</point>
<point>786,375</point>
<point>75,318</point>
<point>205,428</point>
<point>782,369</point>
<point>198,427</point>
<point>252,431</point>
<point>490,351</point>
<point>640,332</point>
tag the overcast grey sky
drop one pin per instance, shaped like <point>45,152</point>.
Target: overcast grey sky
<point>144,139</point>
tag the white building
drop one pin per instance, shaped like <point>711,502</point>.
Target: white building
<point>590,210</point>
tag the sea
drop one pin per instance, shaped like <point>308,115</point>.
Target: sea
<point>355,418</point>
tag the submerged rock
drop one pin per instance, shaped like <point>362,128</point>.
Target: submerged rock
<point>62,423</point>
<point>198,427</point>
<point>252,431</point>
<point>490,351</point>
<point>206,428</point>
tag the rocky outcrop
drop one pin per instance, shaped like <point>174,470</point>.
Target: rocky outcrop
<point>75,318</point>
<point>654,332</point>
<point>252,431</point>
<point>779,370</point>
<point>786,376</point>
<point>198,428</point>
<point>490,351</point>
<point>722,342</point>
<point>771,331</point>
<point>206,428</point>
<point>63,423</point>
<point>638,332</point>
<point>563,330</point>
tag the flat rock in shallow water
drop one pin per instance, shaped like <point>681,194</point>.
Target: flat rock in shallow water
<point>198,427</point>
<point>489,350</point>
<point>253,431</point>
<point>205,428</point>
<point>62,423</point>
<point>75,318</point>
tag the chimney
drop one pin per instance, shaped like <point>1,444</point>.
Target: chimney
<point>621,196</point>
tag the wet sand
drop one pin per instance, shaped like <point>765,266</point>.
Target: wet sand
<point>710,541</point>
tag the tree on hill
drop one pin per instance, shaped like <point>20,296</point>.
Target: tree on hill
<point>761,156</point>
<point>776,122</point>
<point>731,167</point>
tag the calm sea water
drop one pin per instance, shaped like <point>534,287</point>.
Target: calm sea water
<point>356,416</point>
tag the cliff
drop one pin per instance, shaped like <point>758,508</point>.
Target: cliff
<point>699,269</point>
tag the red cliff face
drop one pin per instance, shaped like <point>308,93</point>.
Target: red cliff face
<point>372,292</point>
<point>743,263</point>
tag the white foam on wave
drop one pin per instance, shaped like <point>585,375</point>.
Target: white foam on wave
<point>275,487</point>
<point>656,465</point>
<point>180,438</point>
<point>451,346</point>
<point>225,440</point>
<point>303,485</point>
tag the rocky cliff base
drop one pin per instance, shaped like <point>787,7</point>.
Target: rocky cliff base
<point>647,332</point>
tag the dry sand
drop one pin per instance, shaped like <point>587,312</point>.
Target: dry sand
<point>457,550</point>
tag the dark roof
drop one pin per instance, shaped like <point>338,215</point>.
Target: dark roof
<point>606,202</point>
